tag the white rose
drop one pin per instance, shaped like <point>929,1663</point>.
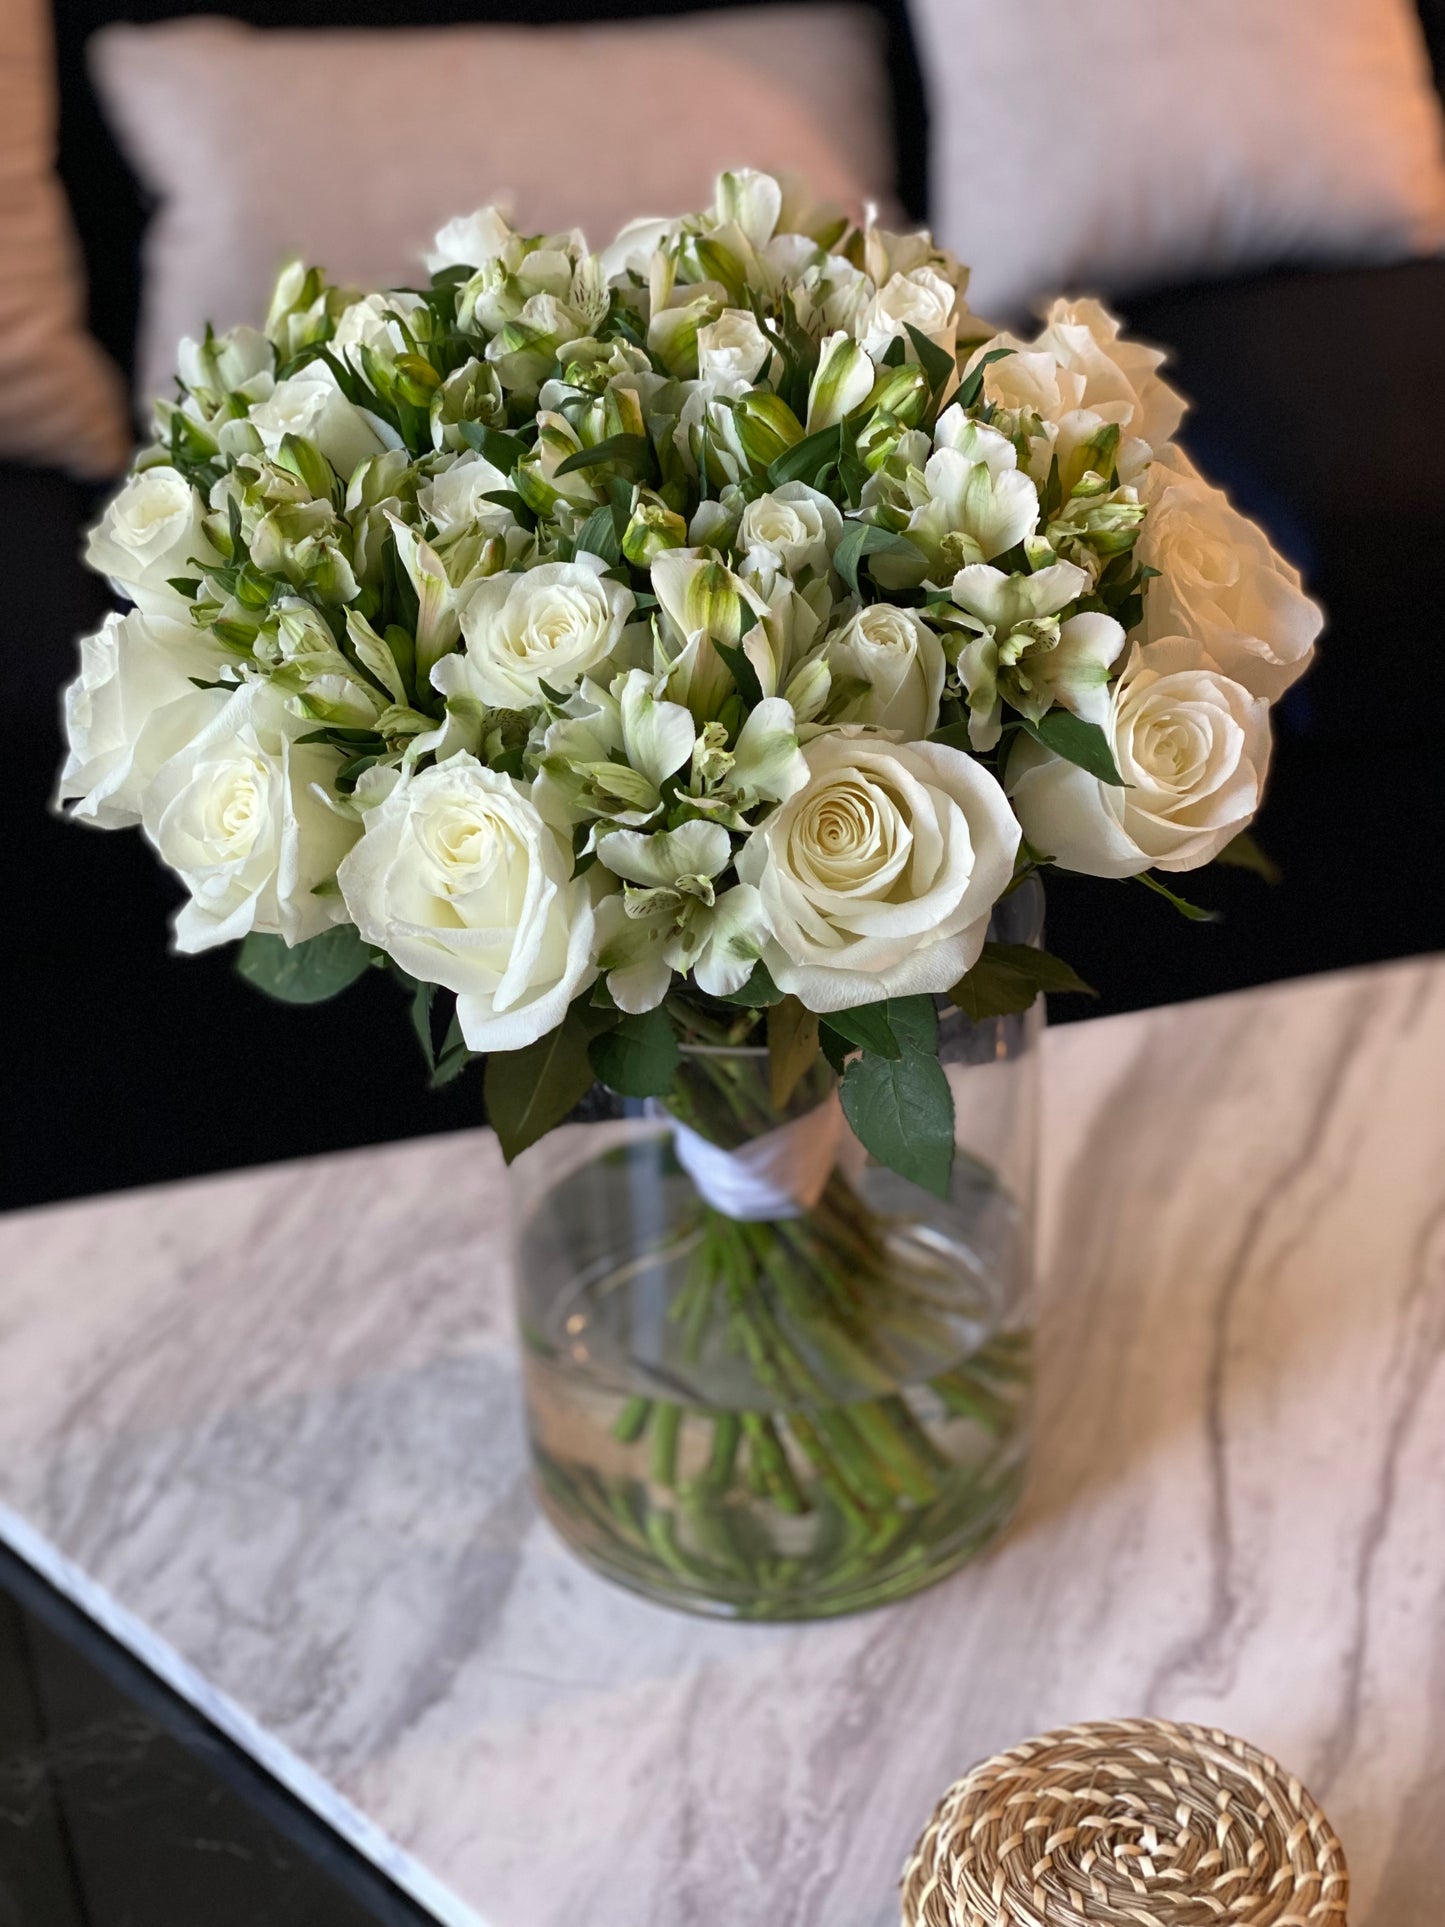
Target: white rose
<point>549,625</point>
<point>877,878</point>
<point>368,323</point>
<point>923,299</point>
<point>463,883</point>
<point>731,351</point>
<point>792,529</point>
<point>151,532</point>
<point>1220,580</point>
<point>1193,749</point>
<point>456,497</point>
<point>901,660</point>
<point>132,706</point>
<point>243,816</point>
<point>312,405</point>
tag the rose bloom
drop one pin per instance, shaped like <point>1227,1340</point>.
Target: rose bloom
<point>150,533</point>
<point>552,624</point>
<point>731,351</point>
<point>1220,580</point>
<point>456,497</point>
<point>792,529</point>
<point>878,877</point>
<point>460,879</point>
<point>130,709</point>
<point>900,658</point>
<point>1193,749</point>
<point>243,816</point>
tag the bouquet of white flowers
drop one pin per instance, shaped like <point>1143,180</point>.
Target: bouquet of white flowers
<point>687,643</point>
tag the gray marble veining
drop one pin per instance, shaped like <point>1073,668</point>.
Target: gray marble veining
<point>271,1423</point>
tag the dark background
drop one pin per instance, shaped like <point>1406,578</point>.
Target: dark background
<point>1319,401</point>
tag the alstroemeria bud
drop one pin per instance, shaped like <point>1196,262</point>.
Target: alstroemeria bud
<point>472,393</point>
<point>305,460</point>
<point>652,528</point>
<point>672,335</point>
<point>767,427</point>
<point>843,382</point>
<point>902,393</point>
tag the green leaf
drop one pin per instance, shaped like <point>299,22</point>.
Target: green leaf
<point>1007,978</point>
<point>304,973</point>
<point>792,1047</point>
<point>953,736</point>
<point>1181,904</point>
<point>621,451</point>
<point>1243,853</point>
<point>937,363</point>
<point>453,1057</point>
<point>516,505</point>
<point>743,672</point>
<point>421,1002</point>
<point>758,992</point>
<point>640,1057</point>
<point>901,1110</point>
<point>598,536</point>
<point>803,461</point>
<point>914,1021</point>
<point>1069,736</point>
<point>866,538</point>
<point>865,1027</point>
<point>971,387</point>
<point>529,1091</point>
<point>502,451</point>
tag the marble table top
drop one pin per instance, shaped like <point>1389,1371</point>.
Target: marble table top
<point>268,1426</point>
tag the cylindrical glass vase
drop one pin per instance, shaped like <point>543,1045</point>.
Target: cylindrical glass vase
<point>791,1415</point>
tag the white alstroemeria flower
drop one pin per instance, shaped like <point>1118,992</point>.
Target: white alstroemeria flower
<point>240,362</point>
<point>636,246</point>
<point>130,709</point>
<point>970,502</point>
<point>245,816</point>
<point>878,877</point>
<point>150,533</point>
<point>1036,664</point>
<point>751,200</point>
<point>843,381</point>
<point>551,624</point>
<point>312,406</point>
<point>607,756</point>
<point>321,683</point>
<point>900,664</point>
<point>1193,749</point>
<point>789,531</point>
<point>670,916</point>
<point>1220,581</point>
<point>731,352</point>
<point>703,604</point>
<point>1000,602</point>
<point>455,497</point>
<point>460,879</point>
<point>470,240</point>
<point>370,323</point>
<point>767,762</point>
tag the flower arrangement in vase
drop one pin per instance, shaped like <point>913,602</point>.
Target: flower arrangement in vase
<point>677,666</point>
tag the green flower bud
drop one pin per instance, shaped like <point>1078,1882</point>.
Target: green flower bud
<point>472,393</point>
<point>653,528</point>
<point>767,427</point>
<point>902,393</point>
<point>305,460</point>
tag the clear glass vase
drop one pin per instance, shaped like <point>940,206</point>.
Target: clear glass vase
<point>793,1416</point>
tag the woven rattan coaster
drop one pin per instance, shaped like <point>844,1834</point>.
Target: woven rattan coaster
<point>1127,1823</point>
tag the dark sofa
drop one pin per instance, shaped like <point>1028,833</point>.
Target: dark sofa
<point>1319,400</point>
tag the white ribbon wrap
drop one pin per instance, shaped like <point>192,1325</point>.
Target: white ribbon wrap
<point>779,1175</point>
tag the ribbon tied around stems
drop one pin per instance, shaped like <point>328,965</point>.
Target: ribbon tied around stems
<point>781,1174</point>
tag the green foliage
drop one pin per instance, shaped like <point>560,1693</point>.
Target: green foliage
<point>640,1057</point>
<point>304,973</point>
<point>1007,978</point>
<point>1243,853</point>
<point>1182,904</point>
<point>861,539</point>
<point>530,1091</point>
<point>1069,736</point>
<point>758,992</point>
<point>901,1110</point>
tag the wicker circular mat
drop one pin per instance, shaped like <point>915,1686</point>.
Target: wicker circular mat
<point>1127,1823</point>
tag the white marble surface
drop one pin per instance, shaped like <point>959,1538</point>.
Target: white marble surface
<point>274,1416</point>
